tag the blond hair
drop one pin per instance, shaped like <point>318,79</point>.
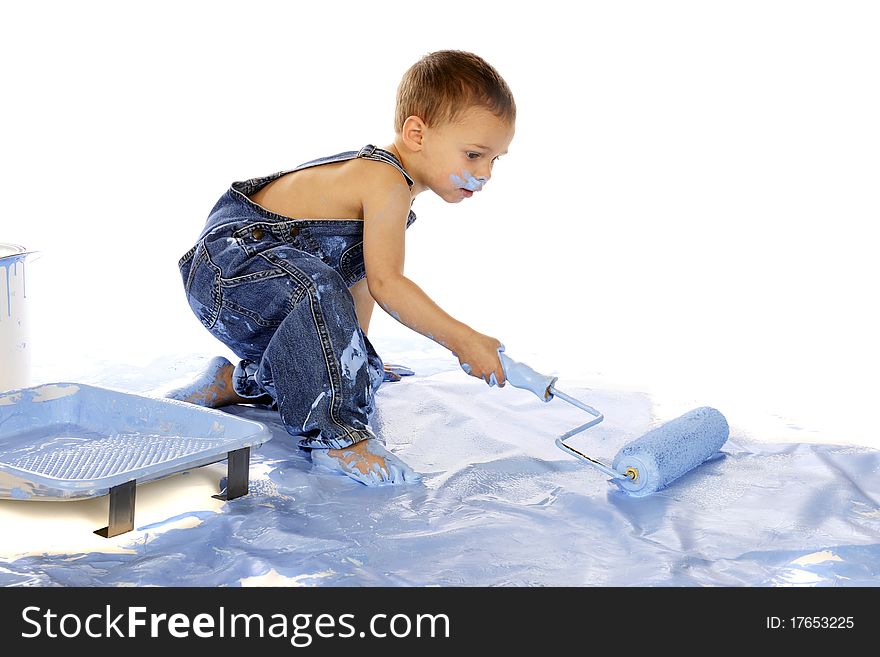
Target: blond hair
<point>444,84</point>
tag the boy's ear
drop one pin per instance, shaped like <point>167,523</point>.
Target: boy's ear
<point>413,132</point>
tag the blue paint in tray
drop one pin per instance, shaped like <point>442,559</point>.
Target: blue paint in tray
<point>69,441</point>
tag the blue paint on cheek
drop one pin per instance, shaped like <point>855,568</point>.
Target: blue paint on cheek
<point>468,181</point>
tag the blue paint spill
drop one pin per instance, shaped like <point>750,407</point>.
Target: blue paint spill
<point>201,515</point>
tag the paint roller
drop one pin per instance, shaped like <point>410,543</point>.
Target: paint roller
<point>646,464</point>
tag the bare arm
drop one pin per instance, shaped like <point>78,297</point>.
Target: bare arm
<point>386,208</point>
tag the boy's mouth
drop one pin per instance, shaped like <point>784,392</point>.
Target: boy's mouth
<point>468,182</point>
<point>467,193</point>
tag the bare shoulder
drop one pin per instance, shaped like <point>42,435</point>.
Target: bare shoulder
<point>336,190</point>
<point>378,183</point>
<point>372,175</point>
<point>386,203</point>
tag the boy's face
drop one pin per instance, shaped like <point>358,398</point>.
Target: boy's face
<point>459,156</point>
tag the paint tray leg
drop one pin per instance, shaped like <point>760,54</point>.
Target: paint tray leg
<point>121,510</point>
<point>238,464</point>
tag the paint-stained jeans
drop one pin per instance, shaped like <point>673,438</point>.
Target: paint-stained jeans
<point>275,290</point>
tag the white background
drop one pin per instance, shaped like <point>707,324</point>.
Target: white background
<point>688,206</point>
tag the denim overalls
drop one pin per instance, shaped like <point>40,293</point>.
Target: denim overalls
<point>275,291</point>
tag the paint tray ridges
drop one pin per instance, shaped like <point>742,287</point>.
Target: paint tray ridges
<point>111,455</point>
<point>72,440</point>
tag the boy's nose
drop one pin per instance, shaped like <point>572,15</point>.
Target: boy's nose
<point>470,181</point>
<point>483,177</point>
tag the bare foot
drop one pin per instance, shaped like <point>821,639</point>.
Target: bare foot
<point>212,387</point>
<point>368,462</point>
<point>394,372</point>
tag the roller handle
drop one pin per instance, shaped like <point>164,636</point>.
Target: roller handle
<point>522,376</point>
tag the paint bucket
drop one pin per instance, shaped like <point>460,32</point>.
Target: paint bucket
<point>14,325</point>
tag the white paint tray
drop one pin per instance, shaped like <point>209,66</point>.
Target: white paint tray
<point>67,441</point>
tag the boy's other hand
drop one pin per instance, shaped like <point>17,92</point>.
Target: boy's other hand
<point>478,356</point>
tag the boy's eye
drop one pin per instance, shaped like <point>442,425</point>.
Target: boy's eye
<point>471,155</point>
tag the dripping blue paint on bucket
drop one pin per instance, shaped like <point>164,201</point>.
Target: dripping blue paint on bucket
<point>14,341</point>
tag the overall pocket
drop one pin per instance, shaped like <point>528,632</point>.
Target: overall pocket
<point>351,264</point>
<point>202,285</point>
<point>265,297</point>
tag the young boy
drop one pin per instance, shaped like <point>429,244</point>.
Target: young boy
<point>288,266</point>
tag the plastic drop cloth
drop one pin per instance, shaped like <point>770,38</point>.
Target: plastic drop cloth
<point>499,504</point>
